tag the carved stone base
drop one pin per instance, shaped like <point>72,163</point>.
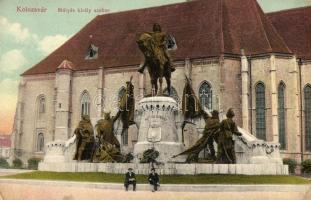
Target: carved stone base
<point>157,128</point>
<point>55,152</point>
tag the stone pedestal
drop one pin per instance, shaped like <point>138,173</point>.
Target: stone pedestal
<point>157,128</point>
<point>55,152</point>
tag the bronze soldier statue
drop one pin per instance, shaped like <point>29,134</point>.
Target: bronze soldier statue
<point>228,128</point>
<point>211,129</point>
<point>210,133</point>
<point>85,139</point>
<point>108,148</point>
<point>105,130</point>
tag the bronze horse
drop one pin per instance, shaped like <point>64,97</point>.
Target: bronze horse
<point>157,63</point>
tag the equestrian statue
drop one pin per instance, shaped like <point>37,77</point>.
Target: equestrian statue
<point>154,46</point>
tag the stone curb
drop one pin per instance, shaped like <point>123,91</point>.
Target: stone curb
<point>168,187</point>
<point>168,168</point>
<point>15,170</point>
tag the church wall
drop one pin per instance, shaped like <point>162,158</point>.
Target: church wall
<point>232,88</point>
<point>305,80</point>
<point>18,119</point>
<point>83,81</point>
<point>35,86</point>
<point>178,82</point>
<point>203,71</point>
<point>207,70</point>
<point>288,74</point>
<point>260,73</point>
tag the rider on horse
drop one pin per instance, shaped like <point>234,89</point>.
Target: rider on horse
<point>160,40</point>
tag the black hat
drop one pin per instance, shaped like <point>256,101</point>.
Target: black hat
<point>130,169</point>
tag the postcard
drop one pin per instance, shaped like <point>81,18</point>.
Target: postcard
<point>174,99</point>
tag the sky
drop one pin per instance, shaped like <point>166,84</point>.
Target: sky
<point>26,38</point>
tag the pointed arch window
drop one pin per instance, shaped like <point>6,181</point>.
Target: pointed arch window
<point>205,95</point>
<point>40,142</point>
<point>42,105</point>
<point>307,98</point>
<point>85,104</point>
<point>260,111</point>
<point>281,115</point>
<point>173,94</point>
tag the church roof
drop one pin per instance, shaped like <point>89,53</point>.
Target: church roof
<point>295,27</point>
<point>202,28</point>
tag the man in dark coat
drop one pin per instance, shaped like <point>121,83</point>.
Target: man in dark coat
<point>130,178</point>
<point>154,180</point>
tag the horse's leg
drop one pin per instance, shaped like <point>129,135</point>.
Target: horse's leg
<point>168,83</point>
<point>154,87</point>
<point>160,77</point>
<point>160,89</point>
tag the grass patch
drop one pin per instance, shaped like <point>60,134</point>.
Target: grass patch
<point>165,179</point>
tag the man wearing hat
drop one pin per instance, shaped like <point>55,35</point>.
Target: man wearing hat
<point>130,179</point>
<point>154,180</point>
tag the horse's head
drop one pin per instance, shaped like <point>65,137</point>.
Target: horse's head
<point>145,44</point>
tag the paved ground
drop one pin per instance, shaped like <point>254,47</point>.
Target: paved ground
<point>61,190</point>
<point>5,172</point>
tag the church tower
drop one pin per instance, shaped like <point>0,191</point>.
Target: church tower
<point>63,100</point>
